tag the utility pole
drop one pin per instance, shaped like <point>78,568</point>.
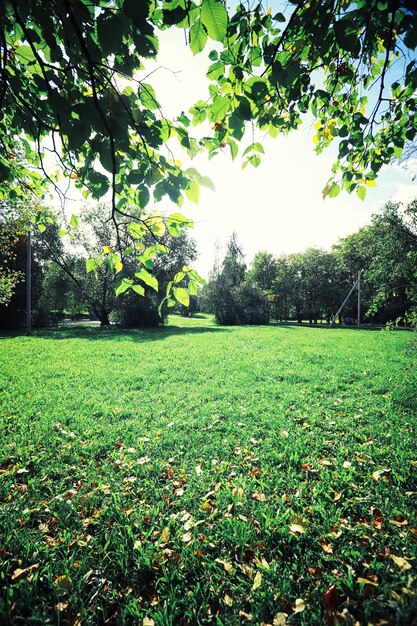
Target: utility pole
<point>359,298</point>
<point>28,284</point>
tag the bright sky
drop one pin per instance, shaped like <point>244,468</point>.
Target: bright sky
<point>278,206</point>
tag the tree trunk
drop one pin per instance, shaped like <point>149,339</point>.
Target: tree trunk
<point>104,318</point>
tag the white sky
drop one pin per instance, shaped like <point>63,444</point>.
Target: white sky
<point>278,206</point>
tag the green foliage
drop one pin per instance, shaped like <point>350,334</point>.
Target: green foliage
<point>61,77</point>
<point>197,493</point>
<point>151,310</point>
<point>229,293</point>
<point>71,80</point>
<point>312,285</point>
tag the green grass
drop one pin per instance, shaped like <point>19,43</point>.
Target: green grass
<point>196,474</point>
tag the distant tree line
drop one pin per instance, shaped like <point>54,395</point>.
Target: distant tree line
<point>311,285</point>
<point>305,286</point>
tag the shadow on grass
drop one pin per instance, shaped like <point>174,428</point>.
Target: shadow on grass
<point>94,333</point>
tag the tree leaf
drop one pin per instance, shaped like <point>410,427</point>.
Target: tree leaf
<point>334,190</point>
<point>147,96</point>
<point>197,37</point>
<point>361,192</point>
<point>74,221</point>
<point>205,181</point>
<point>139,289</point>
<point>20,573</point>
<point>219,108</point>
<point>123,285</point>
<point>118,265</point>
<point>147,278</point>
<point>193,192</point>
<point>182,296</point>
<point>214,18</point>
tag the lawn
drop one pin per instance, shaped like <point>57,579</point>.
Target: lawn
<point>197,474</point>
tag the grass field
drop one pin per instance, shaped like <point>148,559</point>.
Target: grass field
<point>196,474</point>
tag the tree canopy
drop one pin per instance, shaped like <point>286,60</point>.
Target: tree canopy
<point>73,85</point>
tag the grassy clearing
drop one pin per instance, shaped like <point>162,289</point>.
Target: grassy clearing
<point>205,475</point>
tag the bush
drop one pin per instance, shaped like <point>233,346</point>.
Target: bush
<point>134,311</point>
<point>244,304</point>
<point>251,305</point>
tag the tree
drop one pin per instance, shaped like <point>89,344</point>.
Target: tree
<point>282,288</point>
<point>72,82</point>
<point>263,270</point>
<point>231,295</point>
<point>132,311</point>
<point>392,270</point>
<point>95,290</point>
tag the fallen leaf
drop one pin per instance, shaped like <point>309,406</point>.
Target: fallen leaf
<point>298,524</point>
<point>261,497</point>
<point>44,528</point>
<point>187,537</point>
<point>402,563</point>
<point>331,598</point>
<point>63,584</point>
<point>198,470</point>
<point>337,496</point>
<point>247,569</point>
<point>142,461</point>
<point>228,600</point>
<point>52,543</point>
<point>207,506</point>
<point>257,581</point>
<point>378,473</point>
<point>164,536</point>
<point>247,616</point>
<point>19,573</point>
<point>227,566</point>
<point>399,522</point>
<point>365,581</point>
<point>22,470</point>
<point>299,605</point>
<point>148,621</point>
<point>280,619</point>
<point>327,547</point>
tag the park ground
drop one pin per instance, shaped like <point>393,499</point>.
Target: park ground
<point>197,474</point>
